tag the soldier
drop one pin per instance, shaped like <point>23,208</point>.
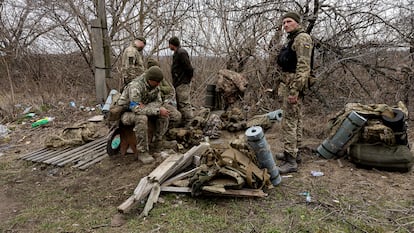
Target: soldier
<point>295,61</point>
<point>169,102</point>
<point>132,62</point>
<point>182,74</point>
<point>143,98</point>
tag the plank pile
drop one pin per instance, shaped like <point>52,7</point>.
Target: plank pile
<point>80,157</point>
<point>176,168</point>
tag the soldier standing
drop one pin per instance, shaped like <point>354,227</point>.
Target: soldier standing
<point>295,61</point>
<point>132,61</point>
<point>143,98</point>
<point>182,74</point>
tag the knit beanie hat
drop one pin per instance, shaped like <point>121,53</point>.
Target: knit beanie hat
<point>292,15</point>
<point>154,73</point>
<point>152,62</point>
<point>141,38</point>
<point>174,41</point>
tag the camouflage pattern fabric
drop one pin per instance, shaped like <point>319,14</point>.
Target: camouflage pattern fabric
<point>76,135</point>
<point>132,64</point>
<point>292,126</point>
<point>231,85</point>
<point>145,113</point>
<point>292,85</point>
<point>184,102</point>
<point>213,126</point>
<point>375,130</point>
<point>370,109</point>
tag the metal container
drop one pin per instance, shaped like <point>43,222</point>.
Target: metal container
<point>210,99</point>
<point>350,126</point>
<point>257,140</point>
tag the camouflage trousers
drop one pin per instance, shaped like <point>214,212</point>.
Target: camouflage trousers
<point>145,128</point>
<point>174,118</point>
<point>184,102</point>
<point>292,126</point>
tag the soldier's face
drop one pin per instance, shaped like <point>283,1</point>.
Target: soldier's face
<point>139,44</point>
<point>172,47</point>
<point>289,24</point>
<point>153,83</point>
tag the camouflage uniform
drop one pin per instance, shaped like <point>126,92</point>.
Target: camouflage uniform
<point>169,102</point>
<point>146,116</point>
<point>132,64</point>
<point>182,74</point>
<point>292,84</point>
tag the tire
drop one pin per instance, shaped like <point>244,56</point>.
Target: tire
<point>397,124</point>
<point>113,151</point>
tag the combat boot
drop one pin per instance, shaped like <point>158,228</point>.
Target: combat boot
<point>282,157</point>
<point>159,145</point>
<point>289,165</point>
<point>145,158</point>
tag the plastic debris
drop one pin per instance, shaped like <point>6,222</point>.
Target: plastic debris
<point>3,131</point>
<point>30,115</point>
<point>42,121</point>
<point>316,173</point>
<point>307,195</point>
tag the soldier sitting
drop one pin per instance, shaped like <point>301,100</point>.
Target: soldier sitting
<point>142,97</point>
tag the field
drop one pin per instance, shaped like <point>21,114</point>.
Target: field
<point>36,197</point>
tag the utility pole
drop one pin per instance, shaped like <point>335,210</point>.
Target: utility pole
<point>101,51</point>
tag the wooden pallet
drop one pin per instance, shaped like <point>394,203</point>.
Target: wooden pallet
<point>80,157</point>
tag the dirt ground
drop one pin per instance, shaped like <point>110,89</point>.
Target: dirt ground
<point>343,190</point>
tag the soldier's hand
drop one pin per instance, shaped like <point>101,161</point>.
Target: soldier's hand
<point>293,99</point>
<point>164,112</point>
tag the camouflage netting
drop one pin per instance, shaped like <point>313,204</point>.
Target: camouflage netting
<point>233,168</point>
<point>77,135</point>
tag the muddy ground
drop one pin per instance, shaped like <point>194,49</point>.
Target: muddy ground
<point>345,199</point>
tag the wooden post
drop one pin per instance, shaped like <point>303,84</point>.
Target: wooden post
<point>98,57</point>
<point>105,37</point>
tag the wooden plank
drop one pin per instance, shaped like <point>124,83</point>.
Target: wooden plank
<point>73,157</point>
<point>39,156</point>
<point>152,199</point>
<point>174,189</point>
<point>141,191</point>
<point>180,176</point>
<point>32,153</point>
<point>49,155</point>
<point>80,148</point>
<point>168,167</point>
<point>97,159</point>
<point>186,160</point>
<point>90,155</point>
<point>235,192</point>
<point>159,173</point>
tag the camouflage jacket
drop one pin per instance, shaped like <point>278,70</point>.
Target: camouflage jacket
<point>139,91</point>
<point>302,45</point>
<point>132,63</point>
<point>167,91</point>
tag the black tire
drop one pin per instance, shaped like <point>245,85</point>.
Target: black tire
<point>397,124</point>
<point>112,151</point>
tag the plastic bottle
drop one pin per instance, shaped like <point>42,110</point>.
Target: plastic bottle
<point>42,121</point>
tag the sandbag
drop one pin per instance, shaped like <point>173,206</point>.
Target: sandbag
<point>382,156</point>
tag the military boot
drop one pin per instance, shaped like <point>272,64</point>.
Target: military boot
<point>145,158</point>
<point>159,145</point>
<point>282,157</point>
<point>289,165</point>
